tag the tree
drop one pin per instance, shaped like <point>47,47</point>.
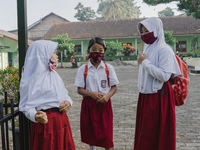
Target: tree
<point>118,9</point>
<point>84,13</point>
<point>166,12</point>
<point>190,7</point>
<point>112,49</point>
<point>64,45</point>
<point>169,38</point>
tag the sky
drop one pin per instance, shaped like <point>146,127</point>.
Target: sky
<point>37,9</point>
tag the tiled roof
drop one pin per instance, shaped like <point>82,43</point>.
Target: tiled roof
<point>39,21</point>
<point>11,36</point>
<point>120,28</point>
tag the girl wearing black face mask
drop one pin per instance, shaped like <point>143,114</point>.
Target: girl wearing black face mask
<point>96,50</point>
<point>155,120</point>
<point>96,81</point>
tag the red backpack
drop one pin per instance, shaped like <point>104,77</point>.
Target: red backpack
<point>86,70</point>
<point>181,83</point>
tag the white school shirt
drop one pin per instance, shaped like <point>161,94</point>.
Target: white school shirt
<point>160,64</point>
<point>96,77</point>
<point>31,112</point>
<point>39,88</point>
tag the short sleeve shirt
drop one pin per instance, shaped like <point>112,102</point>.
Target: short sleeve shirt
<point>96,79</point>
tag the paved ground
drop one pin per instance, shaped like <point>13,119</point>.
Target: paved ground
<point>124,104</point>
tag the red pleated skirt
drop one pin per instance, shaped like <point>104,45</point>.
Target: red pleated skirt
<point>155,121</point>
<point>55,135</point>
<point>96,123</point>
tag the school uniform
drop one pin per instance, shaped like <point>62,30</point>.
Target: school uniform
<point>155,119</point>
<point>44,90</point>
<point>96,118</point>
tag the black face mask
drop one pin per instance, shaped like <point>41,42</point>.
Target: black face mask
<point>96,57</point>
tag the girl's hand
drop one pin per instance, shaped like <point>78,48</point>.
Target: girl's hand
<point>141,57</point>
<point>104,99</point>
<point>64,106</point>
<point>41,117</point>
<point>96,95</point>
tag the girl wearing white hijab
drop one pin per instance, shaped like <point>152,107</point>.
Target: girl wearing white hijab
<point>155,120</point>
<point>44,99</point>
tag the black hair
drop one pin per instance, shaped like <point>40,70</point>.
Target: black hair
<point>97,40</point>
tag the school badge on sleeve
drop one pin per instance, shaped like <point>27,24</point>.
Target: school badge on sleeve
<point>103,83</point>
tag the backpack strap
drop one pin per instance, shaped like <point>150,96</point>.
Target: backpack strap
<point>107,72</point>
<point>85,74</point>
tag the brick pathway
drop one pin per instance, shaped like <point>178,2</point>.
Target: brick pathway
<point>124,104</point>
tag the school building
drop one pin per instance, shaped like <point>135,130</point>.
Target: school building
<point>125,31</point>
<point>184,28</point>
<point>9,55</point>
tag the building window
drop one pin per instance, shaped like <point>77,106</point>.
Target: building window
<point>77,50</point>
<point>181,46</point>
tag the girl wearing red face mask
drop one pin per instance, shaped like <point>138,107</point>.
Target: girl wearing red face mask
<point>97,82</point>
<point>155,120</point>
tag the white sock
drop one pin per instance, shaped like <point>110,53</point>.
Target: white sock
<point>92,147</point>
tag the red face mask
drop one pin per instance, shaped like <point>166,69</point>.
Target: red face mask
<point>96,56</point>
<point>149,38</point>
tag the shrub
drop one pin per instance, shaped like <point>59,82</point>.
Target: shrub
<point>9,80</point>
<point>112,49</point>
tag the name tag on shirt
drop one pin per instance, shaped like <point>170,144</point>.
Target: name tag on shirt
<point>103,83</point>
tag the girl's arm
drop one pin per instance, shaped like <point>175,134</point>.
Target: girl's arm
<point>156,72</point>
<point>107,96</point>
<point>94,95</point>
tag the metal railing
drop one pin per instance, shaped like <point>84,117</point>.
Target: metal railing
<point>12,137</point>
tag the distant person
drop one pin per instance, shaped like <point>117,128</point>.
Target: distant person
<point>96,81</point>
<point>177,52</point>
<point>86,56</point>
<point>44,99</point>
<point>155,121</point>
<point>72,60</point>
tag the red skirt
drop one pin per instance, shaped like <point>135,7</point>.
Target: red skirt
<point>55,135</point>
<point>155,121</point>
<point>96,123</point>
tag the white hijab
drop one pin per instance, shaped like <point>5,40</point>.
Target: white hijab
<point>153,52</point>
<point>40,88</point>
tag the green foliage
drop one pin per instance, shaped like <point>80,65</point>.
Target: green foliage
<point>156,2</point>
<point>194,44</point>
<point>166,12</point>
<point>118,9</point>
<point>64,44</point>
<point>188,54</point>
<point>169,38</point>
<point>112,49</point>
<point>198,52</point>
<point>190,7</point>
<point>84,13</point>
<point>9,80</point>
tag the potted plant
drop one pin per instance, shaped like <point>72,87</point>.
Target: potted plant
<point>128,49</point>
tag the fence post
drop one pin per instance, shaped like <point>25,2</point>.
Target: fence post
<point>2,127</point>
<point>24,126</point>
